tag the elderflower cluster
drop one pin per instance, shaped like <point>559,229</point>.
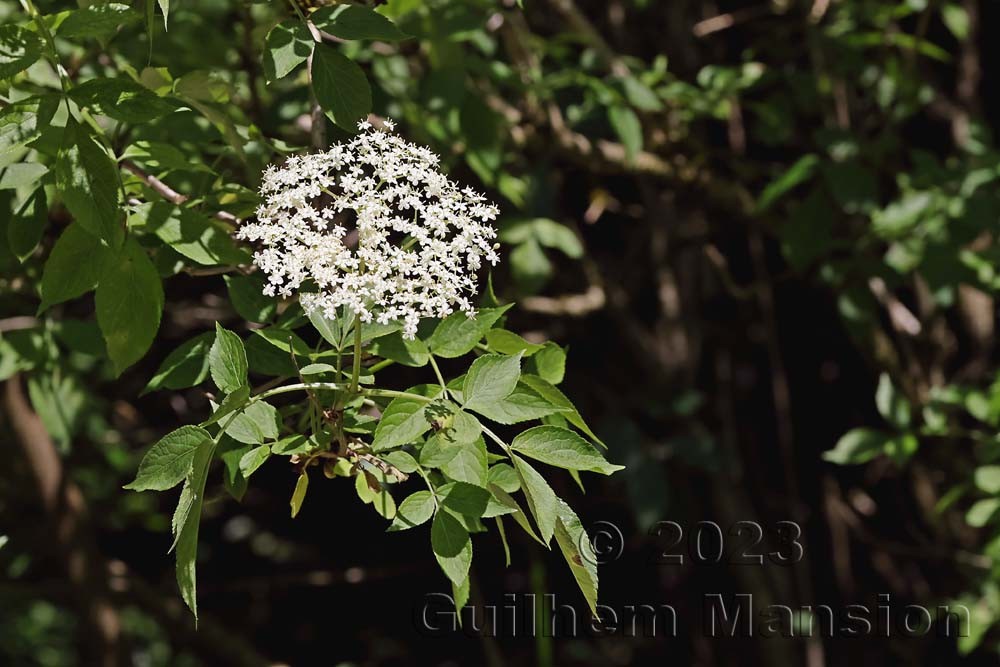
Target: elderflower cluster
<point>377,227</point>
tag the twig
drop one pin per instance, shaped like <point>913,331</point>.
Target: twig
<point>902,319</point>
<point>572,305</point>
<point>17,323</point>
<point>728,20</point>
<point>168,193</point>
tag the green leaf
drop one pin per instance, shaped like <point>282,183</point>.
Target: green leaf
<point>549,363</point>
<point>404,420</point>
<point>19,49</point>
<point>496,507</point>
<point>257,423</point>
<point>129,303</point>
<point>640,95</point>
<point>254,459</point>
<point>505,477</point>
<point>287,46</point>
<point>317,369</point>
<point>546,232</point>
<point>563,448</point>
<point>508,342</point>
<point>169,461</point>
<point>230,452</point>
<point>356,22</point>
<point>266,359</point>
<point>491,378</point>
<point>523,404</point>
<point>285,340</point>
<point>987,478</point>
<point>87,180</point>
<point>160,157</point>
<point>891,404</point>
<point>503,540</point>
<point>60,403</point>
<point>185,367</point>
<point>517,513</point>
<point>542,499</point>
<point>529,265</point>
<point>628,128</point>
<point>230,404</point>
<point>247,296</point>
<point>99,21</point>
<point>292,444</point>
<point>465,498</point>
<point>956,19</point>
<point>554,396</point>
<point>227,360</point>
<point>438,451</point>
<point>340,86</point>
<point>401,350</point>
<point>457,334</point>
<point>186,523</point>
<point>122,99</point>
<point>799,172</point>
<point>415,510</point>
<point>21,175</point>
<point>192,234</point>
<point>373,330</point>
<point>401,460</point>
<point>459,592</point>
<point>24,231</point>
<point>328,328</point>
<point>452,546</point>
<point>299,494</point>
<point>384,504</point>
<point>468,464</point>
<point>23,121</point>
<point>859,445</point>
<point>982,512</point>
<point>461,427</point>
<point>578,551</point>
<point>165,9</point>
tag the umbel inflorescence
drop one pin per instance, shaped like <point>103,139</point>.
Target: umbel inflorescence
<point>413,250</point>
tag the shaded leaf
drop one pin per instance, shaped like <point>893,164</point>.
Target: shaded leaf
<point>129,303</point>
<point>452,546</point>
<point>340,87</point>
<point>356,22</point>
<point>185,367</point>
<point>87,180</point>
<point>287,46</point>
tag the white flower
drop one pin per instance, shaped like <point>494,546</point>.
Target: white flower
<point>412,250</point>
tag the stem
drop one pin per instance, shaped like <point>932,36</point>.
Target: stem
<point>303,386</point>
<point>380,365</point>
<point>43,28</point>
<point>437,372</point>
<point>391,393</point>
<point>496,438</point>
<point>223,427</point>
<point>430,487</point>
<point>356,372</point>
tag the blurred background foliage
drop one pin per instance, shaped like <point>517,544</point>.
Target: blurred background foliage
<point>765,229</point>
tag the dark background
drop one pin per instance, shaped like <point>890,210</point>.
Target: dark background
<point>723,346</point>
